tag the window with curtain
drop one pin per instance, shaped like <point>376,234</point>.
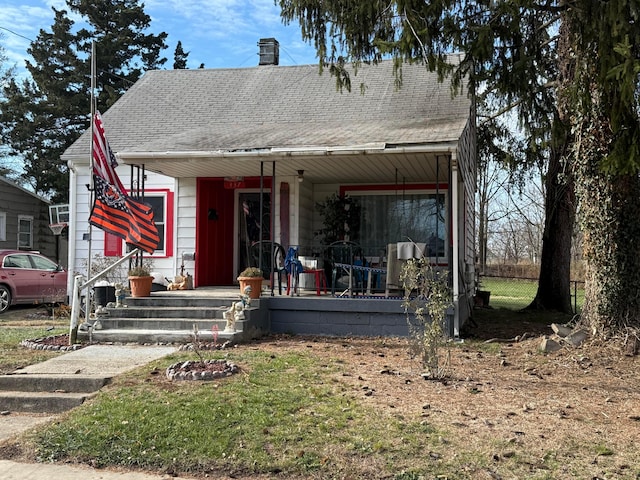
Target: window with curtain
<point>397,217</point>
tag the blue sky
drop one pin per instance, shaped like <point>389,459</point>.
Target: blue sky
<point>218,33</point>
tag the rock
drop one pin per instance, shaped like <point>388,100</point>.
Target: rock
<point>561,330</point>
<point>548,345</point>
<point>577,338</point>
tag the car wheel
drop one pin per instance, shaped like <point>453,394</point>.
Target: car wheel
<point>5,298</point>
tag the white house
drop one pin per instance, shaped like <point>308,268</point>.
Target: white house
<point>211,140</point>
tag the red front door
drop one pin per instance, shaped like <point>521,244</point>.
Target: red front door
<point>214,233</point>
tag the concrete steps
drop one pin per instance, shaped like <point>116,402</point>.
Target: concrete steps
<point>46,393</point>
<point>47,383</point>
<point>150,335</point>
<point>42,402</point>
<point>69,379</point>
<point>166,318</point>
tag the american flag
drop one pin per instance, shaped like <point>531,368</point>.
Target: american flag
<point>104,161</point>
<point>113,210</point>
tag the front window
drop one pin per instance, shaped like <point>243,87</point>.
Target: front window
<point>162,204</point>
<point>389,217</point>
<point>25,232</point>
<point>158,203</point>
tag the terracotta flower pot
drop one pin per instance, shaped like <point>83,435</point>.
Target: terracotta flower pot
<point>140,286</point>
<point>254,282</point>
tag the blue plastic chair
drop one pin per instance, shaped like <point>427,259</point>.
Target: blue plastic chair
<point>293,267</point>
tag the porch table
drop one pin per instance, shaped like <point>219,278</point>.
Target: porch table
<point>320,280</point>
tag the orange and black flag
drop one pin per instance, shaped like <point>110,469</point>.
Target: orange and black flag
<point>113,210</point>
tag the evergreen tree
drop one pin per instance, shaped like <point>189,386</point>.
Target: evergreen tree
<point>6,75</point>
<point>41,116</point>
<point>575,94</point>
<point>180,57</point>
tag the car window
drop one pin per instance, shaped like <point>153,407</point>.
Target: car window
<point>17,261</point>
<point>7,262</point>
<point>42,263</point>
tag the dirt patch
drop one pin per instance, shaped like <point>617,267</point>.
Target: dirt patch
<point>26,315</point>
<point>506,396</point>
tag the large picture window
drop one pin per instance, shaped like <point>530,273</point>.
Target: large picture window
<point>390,216</point>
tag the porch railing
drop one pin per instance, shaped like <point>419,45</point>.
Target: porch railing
<point>368,264</point>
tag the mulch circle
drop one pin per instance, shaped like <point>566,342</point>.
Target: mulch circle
<point>201,370</point>
<point>52,343</point>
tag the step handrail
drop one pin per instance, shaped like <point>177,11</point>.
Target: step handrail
<point>79,287</point>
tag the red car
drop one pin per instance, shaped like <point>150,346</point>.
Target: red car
<point>28,277</point>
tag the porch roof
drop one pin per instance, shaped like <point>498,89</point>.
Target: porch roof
<point>219,122</point>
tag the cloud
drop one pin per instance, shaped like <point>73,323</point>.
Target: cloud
<point>20,25</point>
<point>225,33</point>
<point>218,33</point>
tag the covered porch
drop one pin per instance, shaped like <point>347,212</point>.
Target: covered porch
<point>406,195</point>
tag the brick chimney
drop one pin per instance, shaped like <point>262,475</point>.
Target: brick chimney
<point>269,51</point>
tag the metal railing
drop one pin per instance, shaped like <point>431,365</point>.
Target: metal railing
<point>78,287</point>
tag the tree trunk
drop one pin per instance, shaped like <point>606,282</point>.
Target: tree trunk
<point>610,220</point>
<point>607,202</point>
<point>554,282</point>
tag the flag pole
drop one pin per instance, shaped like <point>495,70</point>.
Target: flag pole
<point>91,183</point>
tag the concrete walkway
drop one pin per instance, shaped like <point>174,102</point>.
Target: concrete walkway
<point>102,360</point>
<point>66,381</point>
<point>95,360</point>
<point>41,471</point>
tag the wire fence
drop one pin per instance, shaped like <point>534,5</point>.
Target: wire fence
<point>516,293</point>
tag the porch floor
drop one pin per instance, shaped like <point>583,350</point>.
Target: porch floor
<point>233,291</point>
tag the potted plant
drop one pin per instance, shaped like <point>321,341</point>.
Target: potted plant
<point>251,277</point>
<point>140,281</point>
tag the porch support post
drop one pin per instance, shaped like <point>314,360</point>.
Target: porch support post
<point>261,213</point>
<point>455,219</point>
<point>273,225</point>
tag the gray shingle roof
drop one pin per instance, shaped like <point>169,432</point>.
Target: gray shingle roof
<point>280,107</point>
